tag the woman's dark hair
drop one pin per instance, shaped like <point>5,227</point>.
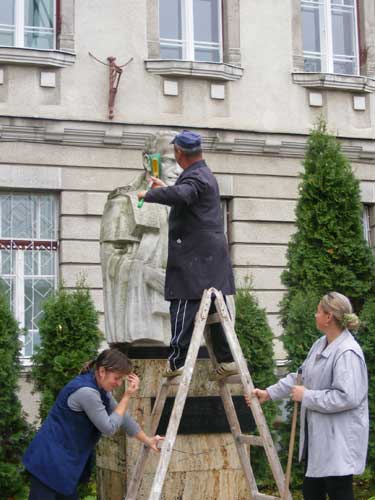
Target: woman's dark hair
<point>112,360</point>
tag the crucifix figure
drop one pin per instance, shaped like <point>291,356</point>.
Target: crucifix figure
<point>115,72</point>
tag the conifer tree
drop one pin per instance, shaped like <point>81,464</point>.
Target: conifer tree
<point>15,433</point>
<point>328,251</point>
<point>69,336</point>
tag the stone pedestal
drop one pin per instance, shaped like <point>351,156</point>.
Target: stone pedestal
<point>203,466</point>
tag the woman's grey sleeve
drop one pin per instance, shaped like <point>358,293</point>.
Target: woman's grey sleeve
<point>129,425</point>
<point>88,400</point>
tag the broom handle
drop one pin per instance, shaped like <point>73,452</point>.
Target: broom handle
<point>291,441</point>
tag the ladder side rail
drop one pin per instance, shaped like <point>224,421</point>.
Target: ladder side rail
<point>180,399</point>
<point>234,424</point>
<point>140,465</point>
<point>248,386</point>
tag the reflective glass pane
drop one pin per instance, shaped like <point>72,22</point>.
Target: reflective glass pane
<point>31,263</point>
<point>36,292</point>
<point>206,21</point>
<point>343,32</point>
<point>211,55</point>
<point>7,262</point>
<point>7,287</point>
<point>39,13</point>
<point>6,219</point>
<point>21,216</point>
<point>7,12</point>
<point>171,52</point>
<point>312,65</point>
<point>39,31</point>
<point>345,67</point>
<point>47,263</point>
<point>47,218</point>
<point>311,28</point>
<point>170,19</point>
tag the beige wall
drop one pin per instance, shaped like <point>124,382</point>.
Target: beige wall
<point>60,139</point>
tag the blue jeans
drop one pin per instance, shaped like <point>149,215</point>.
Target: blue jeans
<point>39,491</point>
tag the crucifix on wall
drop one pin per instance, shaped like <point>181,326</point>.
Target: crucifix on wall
<point>115,72</point>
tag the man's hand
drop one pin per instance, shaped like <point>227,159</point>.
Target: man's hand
<point>297,392</point>
<point>141,195</point>
<point>157,183</point>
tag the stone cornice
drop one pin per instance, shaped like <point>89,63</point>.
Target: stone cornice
<point>243,144</point>
<point>44,58</point>
<point>194,69</point>
<point>327,81</point>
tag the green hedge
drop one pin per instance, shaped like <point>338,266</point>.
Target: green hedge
<point>15,433</point>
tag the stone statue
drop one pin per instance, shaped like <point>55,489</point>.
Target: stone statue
<point>134,249</point>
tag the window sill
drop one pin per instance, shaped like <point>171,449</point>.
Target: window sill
<point>349,83</point>
<point>206,70</point>
<point>47,58</point>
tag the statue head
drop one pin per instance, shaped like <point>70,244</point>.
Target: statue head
<point>160,144</point>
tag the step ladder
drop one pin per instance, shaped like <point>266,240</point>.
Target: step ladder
<point>201,327</point>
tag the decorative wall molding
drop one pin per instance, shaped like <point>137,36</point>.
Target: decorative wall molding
<point>207,70</point>
<point>328,81</point>
<point>45,58</point>
<point>244,144</point>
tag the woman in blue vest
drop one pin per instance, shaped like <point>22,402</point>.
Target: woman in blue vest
<point>60,455</point>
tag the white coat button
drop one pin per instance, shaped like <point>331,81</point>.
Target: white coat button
<point>178,241</point>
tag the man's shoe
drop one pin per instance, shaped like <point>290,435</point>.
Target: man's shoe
<point>225,369</point>
<point>169,373</point>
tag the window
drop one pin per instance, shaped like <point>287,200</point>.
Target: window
<point>28,258</point>
<point>330,36</point>
<point>28,24</point>
<point>366,224</point>
<point>190,30</point>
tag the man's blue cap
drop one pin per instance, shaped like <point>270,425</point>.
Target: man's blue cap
<point>187,140</point>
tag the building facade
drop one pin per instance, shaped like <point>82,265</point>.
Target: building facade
<point>252,76</point>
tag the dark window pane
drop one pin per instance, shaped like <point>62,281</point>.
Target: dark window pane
<point>171,52</point>
<point>312,65</point>
<point>210,55</point>
<point>170,19</point>
<point>206,21</point>
<point>311,29</point>
<point>39,13</point>
<point>7,22</point>
<point>343,32</point>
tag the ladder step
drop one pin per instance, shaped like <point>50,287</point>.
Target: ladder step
<point>261,496</point>
<point>252,440</point>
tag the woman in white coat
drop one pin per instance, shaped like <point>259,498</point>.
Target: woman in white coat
<point>334,408</point>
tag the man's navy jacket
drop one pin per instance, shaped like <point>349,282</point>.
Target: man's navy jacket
<point>198,256</point>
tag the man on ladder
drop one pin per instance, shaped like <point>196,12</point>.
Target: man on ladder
<point>198,256</point>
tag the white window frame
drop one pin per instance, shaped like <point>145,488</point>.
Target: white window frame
<point>19,26</point>
<point>326,40</point>
<point>366,224</point>
<point>17,295</point>
<point>188,42</point>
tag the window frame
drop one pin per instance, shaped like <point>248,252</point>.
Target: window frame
<point>17,271</point>
<point>326,37</point>
<point>64,42</point>
<point>188,42</point>
<point>20,26</point>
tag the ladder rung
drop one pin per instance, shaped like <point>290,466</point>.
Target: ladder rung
<point>262,496</point>
<point>213,318</point>
<point>252,440</point>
